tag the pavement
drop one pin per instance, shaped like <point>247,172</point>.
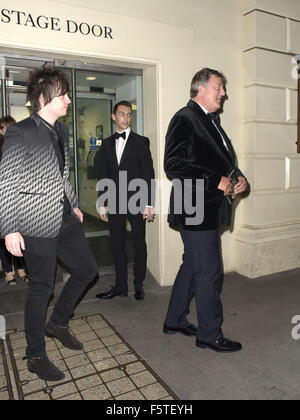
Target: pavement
<point>258,313</point>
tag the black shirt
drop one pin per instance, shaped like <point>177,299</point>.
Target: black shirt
<point>58,143</point>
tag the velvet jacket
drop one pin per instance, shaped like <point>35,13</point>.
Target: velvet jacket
<point>195,150</point>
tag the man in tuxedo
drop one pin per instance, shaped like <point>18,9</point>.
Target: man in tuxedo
<point>124,158</point>
<point>197,148</point>
<point>40,217</point>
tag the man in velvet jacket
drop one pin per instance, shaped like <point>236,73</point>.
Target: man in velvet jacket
<point>197,148</point>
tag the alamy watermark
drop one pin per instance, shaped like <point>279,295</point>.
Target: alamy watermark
<point>131,197</point>
<point>296,330</point>
<point>2,327</point>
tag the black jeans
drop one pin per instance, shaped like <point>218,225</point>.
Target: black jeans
<point>198,276</point>
<point>71,247</point>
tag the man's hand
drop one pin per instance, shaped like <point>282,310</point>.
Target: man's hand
<point>14,243</point>
<point>103,214</point>
<point>149,214</point>
<point>225,185</point>
<point>241,186</point>
<point>79,214</point>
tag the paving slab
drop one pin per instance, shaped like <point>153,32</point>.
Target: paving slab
<point>107,368</point>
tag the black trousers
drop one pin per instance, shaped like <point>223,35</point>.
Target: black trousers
<point>198,276</point>
<point>117,231</point>
<point>71,247</point>
<point>8,260</point>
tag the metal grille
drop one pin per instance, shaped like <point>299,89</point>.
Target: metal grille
<point>107,369</point>
<point>6,391</point>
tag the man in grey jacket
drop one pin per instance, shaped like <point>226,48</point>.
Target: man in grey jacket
<point>40,217</point>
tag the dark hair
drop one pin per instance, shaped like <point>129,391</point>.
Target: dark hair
<point>202,77</point>
<point>125,103</point>
<point>6,120</point>
<point>50,82</point>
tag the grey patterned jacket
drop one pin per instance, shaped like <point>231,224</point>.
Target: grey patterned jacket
<point>31,185</point>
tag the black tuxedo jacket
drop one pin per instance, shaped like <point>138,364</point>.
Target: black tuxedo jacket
<point>136,162</point>
<point>195,150</point>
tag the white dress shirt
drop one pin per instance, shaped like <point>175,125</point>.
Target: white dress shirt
<point>121,143</point>
<point>120,146</point>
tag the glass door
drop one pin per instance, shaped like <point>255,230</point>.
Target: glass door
<point>93,124</point>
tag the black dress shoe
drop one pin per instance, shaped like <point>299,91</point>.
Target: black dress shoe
<point>139,295</point>
<point>63,335</point>
<point>224,345</point>
<point>44,368</point>
<point>109,295</point>
<point>189,330</point>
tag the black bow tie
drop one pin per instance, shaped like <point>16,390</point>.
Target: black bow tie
<point>118,135</point>
<point>213,117</point>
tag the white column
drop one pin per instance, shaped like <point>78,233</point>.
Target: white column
<point>269,238</point>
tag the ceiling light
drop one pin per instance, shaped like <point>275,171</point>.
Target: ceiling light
<point>90,78</point>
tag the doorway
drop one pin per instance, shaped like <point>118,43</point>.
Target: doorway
<point>94,91</point>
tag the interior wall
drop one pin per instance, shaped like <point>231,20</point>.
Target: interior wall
<point>152,100</point>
